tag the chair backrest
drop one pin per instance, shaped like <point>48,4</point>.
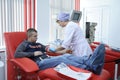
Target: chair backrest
<point>12,40</point>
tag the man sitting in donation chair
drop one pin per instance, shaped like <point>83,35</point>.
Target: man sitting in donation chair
<point>30,49</point>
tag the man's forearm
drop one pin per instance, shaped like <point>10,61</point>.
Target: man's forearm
<point>23,54</point>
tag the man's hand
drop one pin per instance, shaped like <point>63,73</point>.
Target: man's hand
<point>37,53</point>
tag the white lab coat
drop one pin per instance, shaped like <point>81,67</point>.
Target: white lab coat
<point>74,39</point>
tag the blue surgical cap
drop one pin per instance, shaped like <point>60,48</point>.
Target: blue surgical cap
<point>63,17</point>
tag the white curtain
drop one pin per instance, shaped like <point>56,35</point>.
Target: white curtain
<point>16,15</point>
<point>11,17</point>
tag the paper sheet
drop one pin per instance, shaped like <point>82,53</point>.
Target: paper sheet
<point>65,70</point>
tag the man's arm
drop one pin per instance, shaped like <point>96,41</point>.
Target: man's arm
<point>20,51</point>
<point>59,50</point>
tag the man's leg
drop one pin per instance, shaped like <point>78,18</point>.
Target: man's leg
<point>54,61</point>
<point>93,63</point>
<point>96,61</point>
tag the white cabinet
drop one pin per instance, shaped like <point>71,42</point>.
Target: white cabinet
<point>2,65</point>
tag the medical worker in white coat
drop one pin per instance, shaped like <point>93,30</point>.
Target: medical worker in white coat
<point>74,38</point>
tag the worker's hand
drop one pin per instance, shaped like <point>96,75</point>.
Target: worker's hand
<point>37,53</point>
<point>68,51</point>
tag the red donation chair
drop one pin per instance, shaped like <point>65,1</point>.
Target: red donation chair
<point>26,69</point>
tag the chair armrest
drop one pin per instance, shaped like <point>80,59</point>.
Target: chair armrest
<point>110,58</point>
<point>113,53</point>
<point>26,64</point>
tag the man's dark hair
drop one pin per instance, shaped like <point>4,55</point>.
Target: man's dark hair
<point>29,31</point>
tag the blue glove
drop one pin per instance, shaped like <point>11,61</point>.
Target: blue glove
<point>52,49</point>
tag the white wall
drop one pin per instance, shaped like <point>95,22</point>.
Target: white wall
<point>43,21</point>
<point>114,29</point>
<point>109,19</point>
